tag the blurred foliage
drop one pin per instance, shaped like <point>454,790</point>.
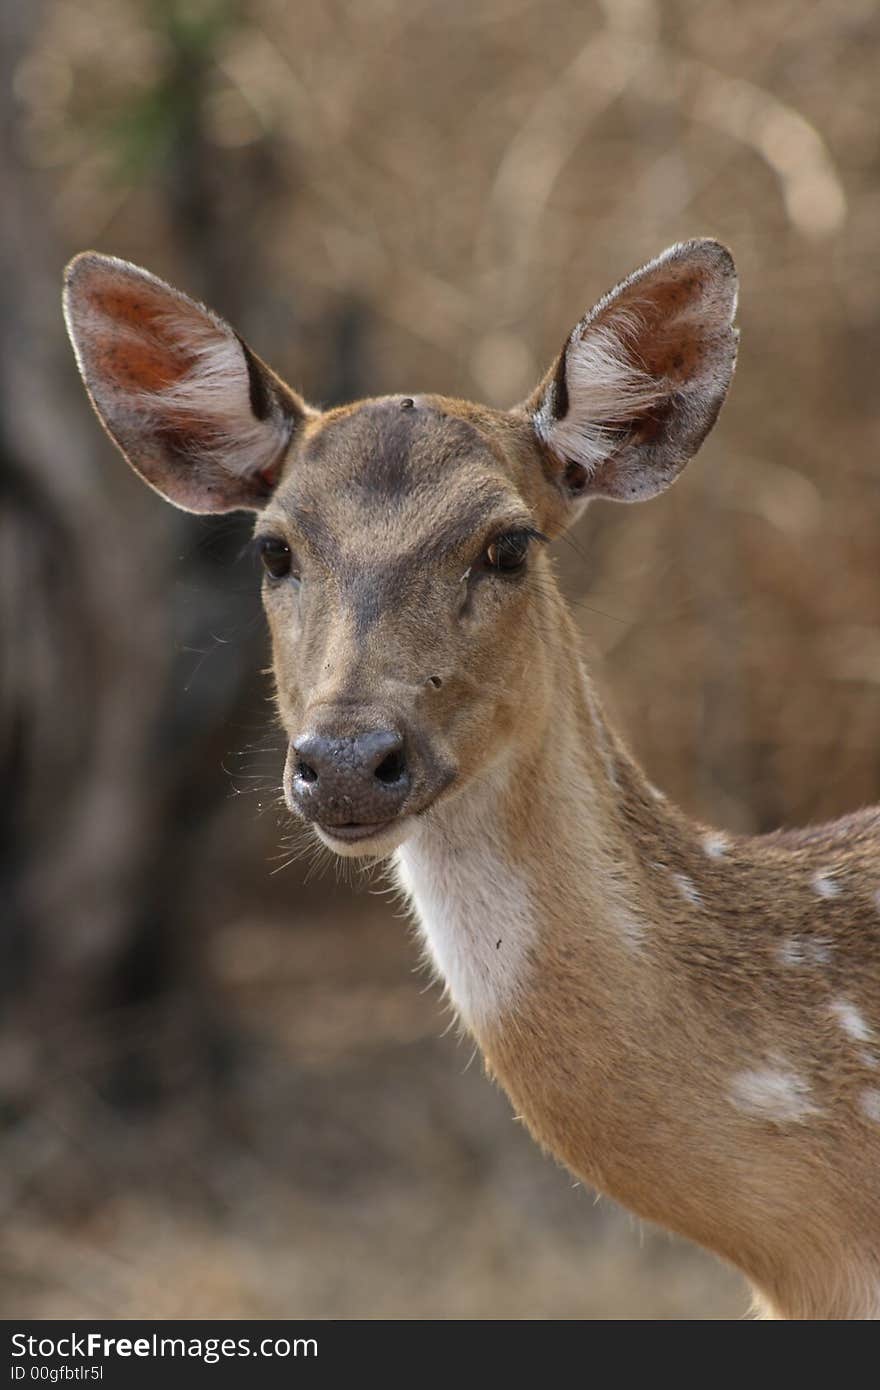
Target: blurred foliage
<point>388,196</point>
<point>145,128</point>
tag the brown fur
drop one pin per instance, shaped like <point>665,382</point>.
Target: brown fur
<point>660,1031</point>
<point>694,1025</point>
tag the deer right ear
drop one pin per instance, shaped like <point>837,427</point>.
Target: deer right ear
<point>195,412</point>
<point>642,377</point>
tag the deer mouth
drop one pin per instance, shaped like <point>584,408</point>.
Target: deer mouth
<point>353,832</point>
<point>375,839</point>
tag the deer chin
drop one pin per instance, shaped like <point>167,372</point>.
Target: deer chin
<point>366,841</point>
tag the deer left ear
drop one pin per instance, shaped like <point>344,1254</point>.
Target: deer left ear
<point>641,380</point>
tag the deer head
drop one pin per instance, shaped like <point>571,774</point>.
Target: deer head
<point>407,586</point>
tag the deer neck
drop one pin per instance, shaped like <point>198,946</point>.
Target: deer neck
<point>551,849</point>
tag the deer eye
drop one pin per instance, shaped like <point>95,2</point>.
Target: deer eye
<point>507,553</point>
<point>277,557</point>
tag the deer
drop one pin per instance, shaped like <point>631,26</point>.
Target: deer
<point>687,1019</point>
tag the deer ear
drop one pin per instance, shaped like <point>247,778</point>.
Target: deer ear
<point>195,412</point>
<point>642,378</point>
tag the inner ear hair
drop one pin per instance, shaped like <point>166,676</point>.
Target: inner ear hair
<point>194,410</point>
<point>227,408</point>
<point>642,376</point>
<point>606,390</point>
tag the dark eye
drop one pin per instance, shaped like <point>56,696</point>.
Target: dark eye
<point>276,557</point>
<point>507,554</point>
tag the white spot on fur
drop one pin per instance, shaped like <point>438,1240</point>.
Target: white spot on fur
<point>687,888</point>
<point>772,1093</point>
<point>656,792</point>
<point>870,1103</point>
<point>471,905</point>
<point>796,951</point>
<point>825,885</point>
<point>631,929</point>
<point>716,845</point>
<point>850,1020</point>
<point>791,951</point>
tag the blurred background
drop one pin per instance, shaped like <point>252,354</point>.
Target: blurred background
<point>224,1090</point>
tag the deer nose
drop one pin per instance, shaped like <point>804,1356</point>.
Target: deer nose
<point>359,779</point>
